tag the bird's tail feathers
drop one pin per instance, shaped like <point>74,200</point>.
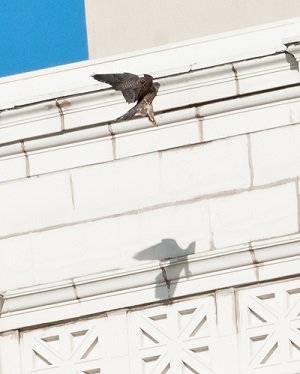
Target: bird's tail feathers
<point>127,116</point>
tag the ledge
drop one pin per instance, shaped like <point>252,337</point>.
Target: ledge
<point>79,129</point>
<point>261,261</point>
<point>204,86</point>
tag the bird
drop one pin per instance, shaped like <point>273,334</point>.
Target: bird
<point>141,90</point>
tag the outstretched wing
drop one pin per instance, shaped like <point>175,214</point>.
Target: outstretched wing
<point>127,83</point>
<point>115,79</point>
<point>133,88</point>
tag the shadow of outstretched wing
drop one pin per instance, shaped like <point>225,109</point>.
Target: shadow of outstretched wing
<point>166,249</point>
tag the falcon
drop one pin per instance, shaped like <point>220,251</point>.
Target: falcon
<point>134,89</point>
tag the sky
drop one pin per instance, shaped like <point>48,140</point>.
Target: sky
<point>36,34</point>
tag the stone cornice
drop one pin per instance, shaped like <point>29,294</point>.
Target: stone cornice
<point>259,262</point>
<point>57,129</point>
<point>96,108</point>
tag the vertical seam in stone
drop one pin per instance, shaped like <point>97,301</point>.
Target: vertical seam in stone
<point>113,141</point>
<point>298,202</point>
<point>212,245</point>
<point>292,118</point>
<point>236,78</point>
<point>254,261</point>
<point>72,191</point>
<point>250,161</point>
<point>61,115</point>
<point>216,307</point>
<point>75,291</point>
<point>200,123</point>
<point>27,165</point>
<point>2,300</point>
<point>236,309</point>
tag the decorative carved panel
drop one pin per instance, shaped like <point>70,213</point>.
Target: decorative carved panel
<point>175,338</point>
<point>270,328</point>
<point>72,348</point>
<point>197,336</point>
<point>178,338</point>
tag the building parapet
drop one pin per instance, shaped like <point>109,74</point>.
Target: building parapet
<point>83,123</point>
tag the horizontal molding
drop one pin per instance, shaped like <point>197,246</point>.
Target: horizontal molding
<point>261,261</point>
<point>176,129</point>
<point>217,83</point>
<point>202,52</point>
<point>53,144</point>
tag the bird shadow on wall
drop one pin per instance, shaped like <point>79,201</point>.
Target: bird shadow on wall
<point>165,250</point>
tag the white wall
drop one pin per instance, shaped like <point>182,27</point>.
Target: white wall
<point>79,196</point>
<point>98,219</point>
<point>115,27</point>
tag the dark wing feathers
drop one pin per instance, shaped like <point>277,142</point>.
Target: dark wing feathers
<point>129,95</point>
<point>134,89</point>
<point>127,83</point>
<point>130,88</point>
<point>115,79</point>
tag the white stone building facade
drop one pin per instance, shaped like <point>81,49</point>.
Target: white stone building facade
<point>138,249</point>
<point>115,27</point>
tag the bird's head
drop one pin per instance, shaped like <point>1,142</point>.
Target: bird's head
<point>148,76</point>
